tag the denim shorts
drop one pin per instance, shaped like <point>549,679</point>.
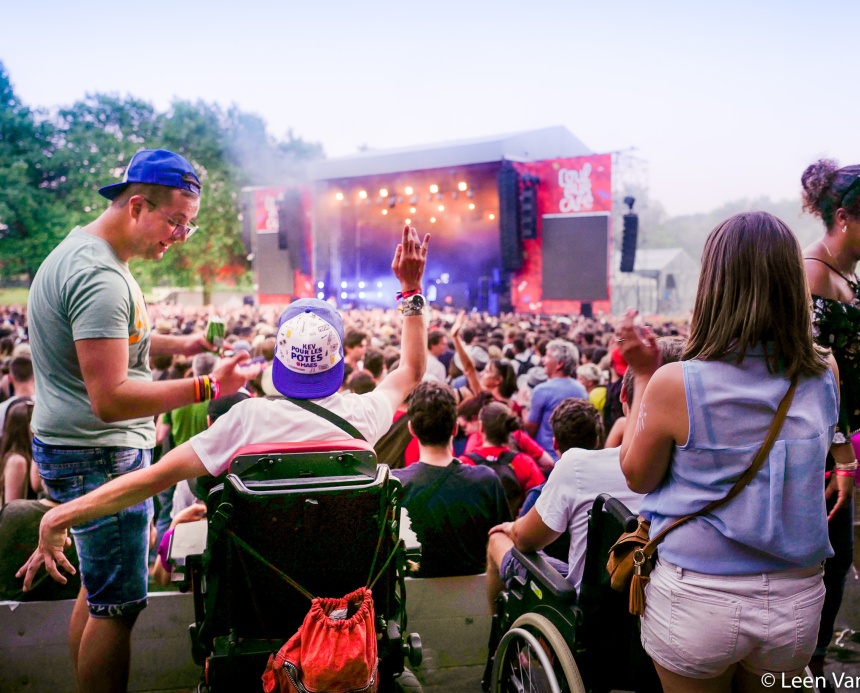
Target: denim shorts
<point>113,549</point>
<point>697,625</point>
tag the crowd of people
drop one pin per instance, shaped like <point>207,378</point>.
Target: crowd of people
<point>502,429</point>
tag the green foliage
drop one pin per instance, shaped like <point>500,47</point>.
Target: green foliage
<point>51,167</point>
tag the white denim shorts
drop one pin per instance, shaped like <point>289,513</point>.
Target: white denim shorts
<point>697,625</point>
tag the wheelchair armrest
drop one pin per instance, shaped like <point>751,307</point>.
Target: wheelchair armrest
<point>554,582</point>
<point>189,539</point>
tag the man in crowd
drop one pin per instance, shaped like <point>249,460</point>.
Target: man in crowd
<point>21,375</point>
<point>309,364</point>
<point>560,363</point>
<point>354,348</point>
<point>452,506</point>
<point>93,420</point>
<point>436,346</point>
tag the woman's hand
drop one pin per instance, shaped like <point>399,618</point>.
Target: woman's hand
<point>638,345</point>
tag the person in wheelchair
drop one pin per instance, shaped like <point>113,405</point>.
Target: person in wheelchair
<point>583,472</point>
<point>308,367</point>
<point>451,505</point>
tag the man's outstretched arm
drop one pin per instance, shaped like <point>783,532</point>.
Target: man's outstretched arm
<point>123,492</point>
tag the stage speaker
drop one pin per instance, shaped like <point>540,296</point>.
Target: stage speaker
<point>291,230</point>
<point>509,219</point>
<point>575,251</point>
<point>528,212</point>
<point>628,242</point>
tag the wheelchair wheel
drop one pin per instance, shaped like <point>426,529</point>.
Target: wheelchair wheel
<point>533,658</point>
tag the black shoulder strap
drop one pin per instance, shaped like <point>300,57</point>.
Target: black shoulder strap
<point>833,269</point>
<point>507,457</point>
<point>476,458</point>
<point>504,459</point>
<point>324,413</point>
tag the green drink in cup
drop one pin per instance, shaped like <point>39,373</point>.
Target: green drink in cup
<point>215,331</point>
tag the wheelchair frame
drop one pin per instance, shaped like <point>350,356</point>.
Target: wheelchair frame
<point>307,498</point>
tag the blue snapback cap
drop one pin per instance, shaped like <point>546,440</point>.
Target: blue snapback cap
<point>309,350</point>
<point>156,167</point>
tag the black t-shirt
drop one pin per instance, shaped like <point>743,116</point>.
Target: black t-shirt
<point>452,509</point>
<point>19,536</point>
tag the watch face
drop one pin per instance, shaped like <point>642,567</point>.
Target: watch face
<point>418,301</point>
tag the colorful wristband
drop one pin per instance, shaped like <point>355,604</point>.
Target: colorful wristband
<point>216,387</point>
<point>844,472</point>
<point>407,294</point>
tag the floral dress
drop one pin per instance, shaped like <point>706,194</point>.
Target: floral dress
<point>836,326</point>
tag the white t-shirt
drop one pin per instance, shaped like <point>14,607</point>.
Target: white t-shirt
<point>260,420</point>
<point>436,368</point>
<point>577,479</point>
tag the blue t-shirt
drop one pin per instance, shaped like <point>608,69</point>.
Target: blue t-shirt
<point>545,398</point>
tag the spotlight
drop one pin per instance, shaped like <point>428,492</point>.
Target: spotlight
<point>343,285</point>
<point>434,188</point>
<point>338,196</point>
<point>320,295</point>
<point>441,208</point>
<point>343,294</point>
<point>461,186</point>
<point>362,194</point>
<point>360,285</point>
<point>408,222</point>
<point>384,212</point>
<point>320,285</point>
<point>492,216</point>
<point>432,220</point>
<point>408,190</point>
<point>378,285</point>
<point>383,192</point>
<point>471,205</point>
<point>412,210</point>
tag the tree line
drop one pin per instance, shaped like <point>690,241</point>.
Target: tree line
<point>53,163</point>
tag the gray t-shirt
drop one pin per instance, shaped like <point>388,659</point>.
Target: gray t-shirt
<point>84,291</point>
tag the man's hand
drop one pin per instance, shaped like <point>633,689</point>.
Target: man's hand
<point>196,343</point>
<point>233,372</point>
<point>506,528</point>
<point>52,542</point>
<point>409,260</point>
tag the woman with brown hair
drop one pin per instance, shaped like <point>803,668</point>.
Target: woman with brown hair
<point>19,478</point>
<point>833,195</point>
<point>736,592</point>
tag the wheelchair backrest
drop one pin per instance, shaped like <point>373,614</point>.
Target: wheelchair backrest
<point>321,531</point>
<point>306,460</point>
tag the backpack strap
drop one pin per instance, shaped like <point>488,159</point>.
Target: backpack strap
<point>507,457</point>
<point>324,413</point>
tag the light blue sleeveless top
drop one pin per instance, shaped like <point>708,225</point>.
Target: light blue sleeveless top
<point>778,521</point>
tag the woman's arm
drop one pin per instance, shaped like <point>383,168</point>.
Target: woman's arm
<point>14,475</point>
<point>469,369</point>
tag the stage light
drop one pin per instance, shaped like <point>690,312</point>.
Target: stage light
<point>378,294</point>
<point>321,285</point>
<point>378,285</point>
<point>362,194</point>
<point>461,186</point>
<point>320,295</point>
<point>361,294</point>
<point>412,210</point>
<point>408,190</point>
<point>339,196</point>
<point>441,208</point>
<point>471,205</point>
<point>413,200</point>
<point>343,294</point>
<point>343,285</point>
<point>434,188</point>
<point>492,216</point>
<point>384,212</point>
<point>408,222</point>
<point>383,192</point>
<point>360,285</point>
<point>432,220</point>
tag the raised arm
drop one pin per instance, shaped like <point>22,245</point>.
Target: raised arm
<point>410,258</point>
<point>469,369</point>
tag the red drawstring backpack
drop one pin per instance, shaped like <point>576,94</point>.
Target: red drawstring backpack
<point>334,650</point>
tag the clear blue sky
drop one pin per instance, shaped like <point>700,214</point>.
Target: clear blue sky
<point>724,100</point>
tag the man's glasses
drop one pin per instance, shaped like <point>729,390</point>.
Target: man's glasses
<point>181,232</point>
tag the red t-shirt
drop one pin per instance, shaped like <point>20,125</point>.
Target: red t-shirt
<point>411,454</point>
<point>526,469</point>
<point>525,443</point>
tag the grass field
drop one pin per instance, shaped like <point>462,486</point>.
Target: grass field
<point>13,297</point>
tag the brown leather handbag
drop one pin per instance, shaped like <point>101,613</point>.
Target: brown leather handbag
<point>632,557</point>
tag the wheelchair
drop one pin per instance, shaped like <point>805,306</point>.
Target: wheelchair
<point>291,521</point>
<point>546,638</point>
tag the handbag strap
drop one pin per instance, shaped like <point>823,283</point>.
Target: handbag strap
<point>324,413</point>
<point>651,547</point>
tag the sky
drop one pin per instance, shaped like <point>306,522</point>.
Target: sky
<point>718,100</point>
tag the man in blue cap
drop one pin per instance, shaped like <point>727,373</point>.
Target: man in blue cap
<point>93,420</point>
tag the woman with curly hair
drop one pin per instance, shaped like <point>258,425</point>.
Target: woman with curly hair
<point>833,195</point>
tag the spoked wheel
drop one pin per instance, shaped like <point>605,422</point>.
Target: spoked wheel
<point>533,658</point>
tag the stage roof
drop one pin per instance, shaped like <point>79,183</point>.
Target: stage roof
<point>533,145</point>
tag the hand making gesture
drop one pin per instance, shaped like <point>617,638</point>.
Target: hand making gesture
<point>409,260</point>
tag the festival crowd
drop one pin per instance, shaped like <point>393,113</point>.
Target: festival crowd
<point>502,429</point>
